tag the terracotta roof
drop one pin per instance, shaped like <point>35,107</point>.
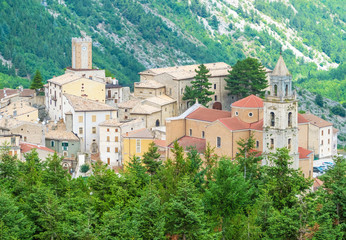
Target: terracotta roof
<point>317,183</point>
<point>161,100</point>
<point>144,109</point>
<point>280,68</point>
<point>235,123</point>
<point>160,143</point>
<point>81,104</point>
<point>207,114</point>
<point>18,108</point>
<point>187,141</point>
<point>129,104</point>
<point>148,84</point>
<point>302,119</point>
<point>65,78</point>
<point>319,122</point>
<point>140,133</point>
<point>303,153</point>
<point>27,93</point>
<point>23,93</point>
<point>27,147</point>
<point>61,135</point>
<point>251,101</point>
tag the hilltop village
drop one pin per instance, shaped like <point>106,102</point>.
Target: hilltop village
<point>89,117</point>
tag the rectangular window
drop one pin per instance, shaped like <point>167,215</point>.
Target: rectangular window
<point>116,130</point>
<point>218,142</point>
<point>107,117</point>
<point>138,145</point>
<point>215,97</point>
<point>93,130</point>
<point>108,161</point>
<point>93,118</point>
<point>272,143</point>
<point>190,132</point>
<point>214,86</point>
<point>116,150</point>
<point>289,144</point>
<point>328,141</point>
<point>203,134</point>
<point>116,139</point>
<point>64,146</point>
<point>80,119</point>
<point>80,130</point>
<point>107,138</point>
<point>107,129</point>
<point>322,142</point>
<point>52,143</point>
<point>322,132</point>
<point>108,149</point>
<point>328,131</point>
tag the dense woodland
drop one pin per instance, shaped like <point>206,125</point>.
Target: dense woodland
<point>181,198</point>
<point>37,35</point>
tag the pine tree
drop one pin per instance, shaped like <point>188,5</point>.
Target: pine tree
<point>37,82</point>
<point>200,87</point>
<point>247,77</point>
<point>151,159</point>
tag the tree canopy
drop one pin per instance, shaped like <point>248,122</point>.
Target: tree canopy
<point>199,87</point>
<point>246,77</point>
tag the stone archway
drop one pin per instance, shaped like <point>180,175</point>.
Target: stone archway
<point>217,106</point>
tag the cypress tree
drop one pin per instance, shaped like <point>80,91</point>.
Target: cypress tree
<point>37,82</point>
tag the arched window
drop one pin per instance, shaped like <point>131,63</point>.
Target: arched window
<point>257,144</point>
<point>275,90</point>
<point>157,123</point>
<point>272,119</point>
<point>290,119</point>
<point>286,90</point>
<point>190,132</point>
<point>203,134</point>
<point>218,142</point>
<point>289,143</point>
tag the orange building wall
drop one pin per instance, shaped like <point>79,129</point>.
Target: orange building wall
<point>243,114</point>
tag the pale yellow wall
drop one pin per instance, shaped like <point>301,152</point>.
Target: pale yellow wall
<point>129,148</point>
<point>32,133</point>
<point>93,89</point>
<point>168,111</point>
<point>175,129</point>
<point>148,92</point>
<point>196,126</point>
<point>314,139</point>
<point>306,165</point>
<point>303,135</point>
<point>28,117</point>
<point>218,130</point>
<point>243,114</point>
<point>150,120</point>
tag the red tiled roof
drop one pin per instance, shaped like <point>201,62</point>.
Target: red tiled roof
<point>234,123</point>
<point>302,119</point>
<point>160,143</point>
<point>317,183</point>
<point>303,153</point>
<point>27,147</point>
<point>249,102</point>
<point>187,141</point>
<point>208,115</point>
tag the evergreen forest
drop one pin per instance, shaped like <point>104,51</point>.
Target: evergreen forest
<point>180,198</point>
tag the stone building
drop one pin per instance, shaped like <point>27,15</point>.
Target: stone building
<point>280,115</point>
<point>111,138</point>
<point>116,94</point>
<point>82,53</point>
<point>20,110</point>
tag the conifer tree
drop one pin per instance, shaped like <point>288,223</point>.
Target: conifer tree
<point>200,87</point>
<point>246,77</point>
<point>151,159</point>
<point>37,82</point>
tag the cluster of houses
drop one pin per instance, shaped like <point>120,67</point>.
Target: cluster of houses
<point>90,116</point>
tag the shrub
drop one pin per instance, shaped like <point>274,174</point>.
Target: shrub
<point>84,168</point>
<point>338,110</point>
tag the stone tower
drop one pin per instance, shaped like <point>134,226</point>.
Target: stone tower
<point>280,114</point>
<point>82,53</point>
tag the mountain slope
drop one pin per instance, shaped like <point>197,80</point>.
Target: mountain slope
<point>130,36</point>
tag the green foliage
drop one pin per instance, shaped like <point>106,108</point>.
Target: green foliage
<point>184,199</point>
<point>338,110</point>
<point>200,87</point>
<point>37,81</point>
<point>319,100</point>
<point>246,77</point>
<point>84,168</point>
<point>151,159</point>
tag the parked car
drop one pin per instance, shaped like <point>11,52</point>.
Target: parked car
<point>318,170</point>
<point>328,164</point>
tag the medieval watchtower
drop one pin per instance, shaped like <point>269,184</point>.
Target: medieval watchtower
<point>82,53</point>
<point>280,116</point>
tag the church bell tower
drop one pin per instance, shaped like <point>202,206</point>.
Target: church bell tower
<point>82,53</point>
<point>280,116</point>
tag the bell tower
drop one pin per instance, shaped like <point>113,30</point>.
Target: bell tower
<point>82,53</point>
<point>280,116</point>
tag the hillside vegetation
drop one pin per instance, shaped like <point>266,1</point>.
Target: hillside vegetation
<point>130,36</point>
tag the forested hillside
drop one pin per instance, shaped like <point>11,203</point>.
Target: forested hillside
<point>130,36</point>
